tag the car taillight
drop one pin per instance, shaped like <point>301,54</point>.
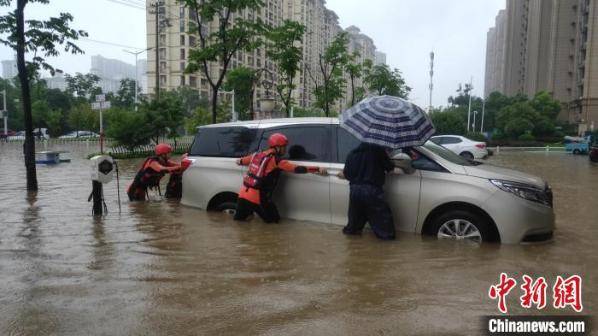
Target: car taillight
<point>185,162</point>
<point>481,145</point>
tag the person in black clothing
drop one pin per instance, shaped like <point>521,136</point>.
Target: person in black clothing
<point>365,168</point>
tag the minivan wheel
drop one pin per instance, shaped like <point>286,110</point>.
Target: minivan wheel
<point>227,208</point>
<point>467,155</point>
<point>463,225</point>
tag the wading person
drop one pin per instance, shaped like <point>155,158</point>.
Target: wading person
<point>151,172</point>
<point>261,178</point>
<point>365,169</point>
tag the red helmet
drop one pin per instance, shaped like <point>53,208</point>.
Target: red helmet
<point>277,139</point>
<point>163,149</point>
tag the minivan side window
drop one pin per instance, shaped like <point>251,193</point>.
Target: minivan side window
<point>223,141</point>
<point>346,142</point>
<point>306,143</point>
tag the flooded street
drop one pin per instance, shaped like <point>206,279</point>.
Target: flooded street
<point>160,268</point>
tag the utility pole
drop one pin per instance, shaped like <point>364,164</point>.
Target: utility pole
<point>431,79</point>
<point>158,25</point>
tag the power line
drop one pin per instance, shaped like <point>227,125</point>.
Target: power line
<point>129,3</point>
<point>110,43</point>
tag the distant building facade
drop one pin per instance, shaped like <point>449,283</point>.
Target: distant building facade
<point>174,43</point>
<point>380,58</point>
<point>547,45</point>
<point>9,69</point>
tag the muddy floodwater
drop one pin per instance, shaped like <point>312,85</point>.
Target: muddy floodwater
<point>159,268</point>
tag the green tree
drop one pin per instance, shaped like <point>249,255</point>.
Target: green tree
<point>163,117</point>
<point>125,96</point>
<point>83,86</point>
<point>202,116</point>
<point>128,128</point>
<point>191,99</point>
<point>355,71</point>
<point>330,66</point>
<point>242,80</point>
<point>40,39</point>
<point>218,47</point>
<point>517,119</point>
<point>283,50</point>
<point>384,81</point>
<point>449,121</point>
<point>82,118</point>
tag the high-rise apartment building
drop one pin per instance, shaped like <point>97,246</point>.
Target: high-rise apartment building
<point>547,45</point>
<point>380,58</point>
<point>9,69</point>
<point>174,43</point>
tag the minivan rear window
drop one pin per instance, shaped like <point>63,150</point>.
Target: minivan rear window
<point>223,141</point>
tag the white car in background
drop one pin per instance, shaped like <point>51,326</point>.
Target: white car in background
<point>460,145</point>
<point>80,135</point>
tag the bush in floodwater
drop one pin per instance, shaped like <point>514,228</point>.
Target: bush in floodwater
<point>128,128</point>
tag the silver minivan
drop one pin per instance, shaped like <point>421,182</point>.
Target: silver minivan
<point>436,193</point>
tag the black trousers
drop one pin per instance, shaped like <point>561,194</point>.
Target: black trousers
<point>367,204</point>
<point>266,210</point>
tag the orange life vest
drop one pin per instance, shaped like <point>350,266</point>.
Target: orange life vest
<point>254,178</point>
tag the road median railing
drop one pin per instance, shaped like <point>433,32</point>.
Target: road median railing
<point>499,149</point>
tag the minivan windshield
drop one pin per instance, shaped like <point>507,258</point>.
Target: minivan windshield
<point>448,155</point>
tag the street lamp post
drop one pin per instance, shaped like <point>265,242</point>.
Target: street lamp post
<point>475,113</point>
<point>483,112</point>
<point>234,113</point>
<point>5,113</point>
<point>136,53</point>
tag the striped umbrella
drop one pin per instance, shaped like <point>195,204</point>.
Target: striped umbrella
<point>388,121</point>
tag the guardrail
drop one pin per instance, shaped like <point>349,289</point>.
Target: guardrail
<point>498,149</point>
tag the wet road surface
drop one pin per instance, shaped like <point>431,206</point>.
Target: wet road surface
<point>159,268</point>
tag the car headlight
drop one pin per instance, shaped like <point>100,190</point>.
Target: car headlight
<point>526,191</point>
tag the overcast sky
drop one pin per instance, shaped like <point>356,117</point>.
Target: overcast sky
<point>406,30</point>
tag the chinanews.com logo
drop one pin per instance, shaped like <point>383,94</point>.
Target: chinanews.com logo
<point>564,294</point>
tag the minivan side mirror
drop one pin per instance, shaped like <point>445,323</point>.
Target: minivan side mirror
<point>403,161</point>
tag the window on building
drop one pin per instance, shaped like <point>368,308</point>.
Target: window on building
<point>162,53</point>
<point>192,81</point>
<point>162,66</point>
<point>182,54</point>
<point>182,40</point>
<point>162,80</point>
<point>192,41</point>
<point>182,26</point>
<point>182,66</point>
<point>162,39</point>
<point>182,80</point>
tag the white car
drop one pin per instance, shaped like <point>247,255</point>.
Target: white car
<point>80,135</point>
<point>38,133</point>
<point>460,145</point>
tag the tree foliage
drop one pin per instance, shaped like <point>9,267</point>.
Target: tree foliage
<point>384,81</point>
<point>83,86</point>
<point>242,80</point>
<point>330,68</point>
<point>219,46</point>
<point>283,50</point>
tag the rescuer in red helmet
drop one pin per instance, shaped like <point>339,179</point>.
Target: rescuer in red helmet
<point>262,176</point>
<point>151,172</point>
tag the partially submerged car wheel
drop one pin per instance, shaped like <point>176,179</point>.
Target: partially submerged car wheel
<point>227,208</point>
<point>464,225</point>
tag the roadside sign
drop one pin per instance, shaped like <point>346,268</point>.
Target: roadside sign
<point>100,98</point>
<point>101,105</point>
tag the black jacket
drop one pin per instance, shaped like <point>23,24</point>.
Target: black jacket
<point>367,164</point>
